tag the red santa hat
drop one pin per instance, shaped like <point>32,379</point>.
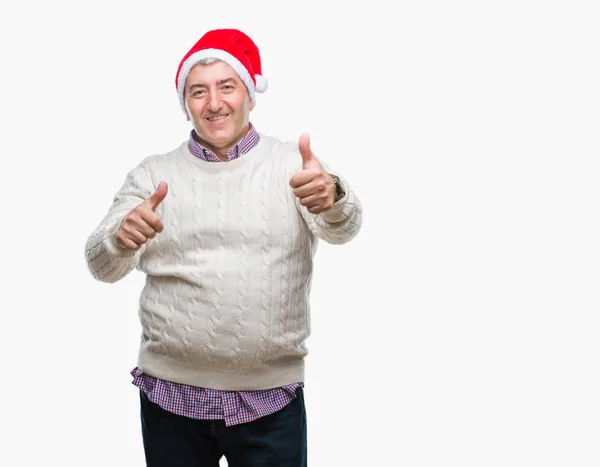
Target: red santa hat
<point>232,47</point>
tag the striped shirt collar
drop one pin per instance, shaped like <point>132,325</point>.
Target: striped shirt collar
<point>244,145</point>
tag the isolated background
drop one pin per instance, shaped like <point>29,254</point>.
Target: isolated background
<point>460,328</point>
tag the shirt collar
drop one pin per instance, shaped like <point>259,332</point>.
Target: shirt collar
<point>248,141</point>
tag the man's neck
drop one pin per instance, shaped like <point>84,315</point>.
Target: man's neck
<point>221,153</point>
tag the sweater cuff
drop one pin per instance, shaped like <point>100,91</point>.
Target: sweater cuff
<point>110,241</point>
<point>335,213</point>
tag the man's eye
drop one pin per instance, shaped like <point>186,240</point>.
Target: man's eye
<point>228,87</point>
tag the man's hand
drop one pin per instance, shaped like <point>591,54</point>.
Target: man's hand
<point>142,223</point>
<point>312,185</point>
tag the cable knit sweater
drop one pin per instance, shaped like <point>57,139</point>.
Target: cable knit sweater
<point>226,299</point>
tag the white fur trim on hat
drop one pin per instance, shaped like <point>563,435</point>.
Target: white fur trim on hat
<point>223,56</point>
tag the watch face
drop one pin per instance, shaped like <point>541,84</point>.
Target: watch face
<point>338,188</point>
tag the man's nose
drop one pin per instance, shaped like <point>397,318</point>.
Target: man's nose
<point>214,102</point>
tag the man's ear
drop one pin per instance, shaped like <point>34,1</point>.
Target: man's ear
<point>187,109</point>
<point>251,104</point>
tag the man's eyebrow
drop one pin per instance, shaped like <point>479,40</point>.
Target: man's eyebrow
<point>194,86</point>
<point>220,83</point>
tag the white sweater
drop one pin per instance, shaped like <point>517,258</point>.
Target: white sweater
<point>226,300</point>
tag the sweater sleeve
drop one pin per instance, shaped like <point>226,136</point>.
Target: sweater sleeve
<point>106,259</point>
<point>342,222</point>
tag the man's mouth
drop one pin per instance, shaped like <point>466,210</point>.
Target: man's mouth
<point>216,118</point>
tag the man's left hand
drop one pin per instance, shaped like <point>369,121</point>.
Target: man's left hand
<point>313,186</point>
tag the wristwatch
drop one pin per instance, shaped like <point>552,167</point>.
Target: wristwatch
<point>339,191</point>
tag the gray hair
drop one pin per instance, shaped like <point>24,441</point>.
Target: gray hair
<point>208,61</point>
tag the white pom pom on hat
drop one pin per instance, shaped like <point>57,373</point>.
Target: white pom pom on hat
<point>231,46</point>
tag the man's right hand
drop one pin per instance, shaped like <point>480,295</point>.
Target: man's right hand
<point>142,222</point>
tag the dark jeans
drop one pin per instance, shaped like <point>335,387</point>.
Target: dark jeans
<point>276,440</point>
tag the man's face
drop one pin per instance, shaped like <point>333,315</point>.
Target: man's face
<point>218,105</point>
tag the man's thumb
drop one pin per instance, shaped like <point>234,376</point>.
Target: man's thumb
<point>158,196</point>
<point>305,151</point>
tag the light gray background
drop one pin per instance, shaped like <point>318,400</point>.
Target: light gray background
<point>459,329</point>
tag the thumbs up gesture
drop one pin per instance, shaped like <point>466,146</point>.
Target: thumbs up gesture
<point>313,186</point>
<point>142,222</point>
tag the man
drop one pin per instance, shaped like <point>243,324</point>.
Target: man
<point>225,228</point>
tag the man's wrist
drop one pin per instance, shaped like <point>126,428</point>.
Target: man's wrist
<point>339,191</point>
